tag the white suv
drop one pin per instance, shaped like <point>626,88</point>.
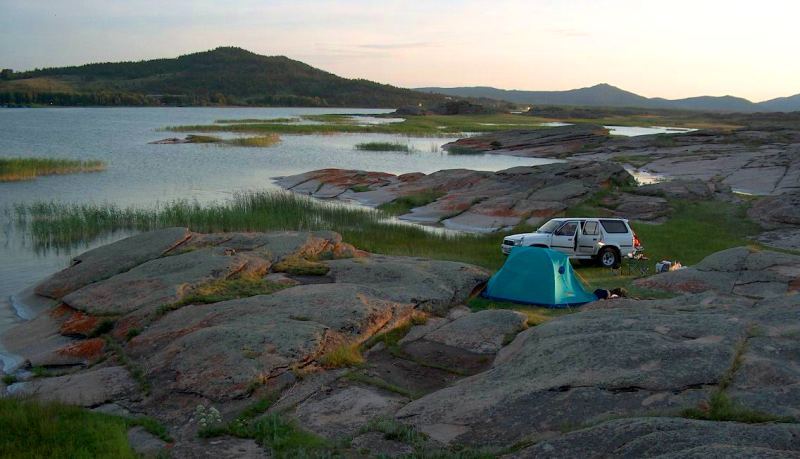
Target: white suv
<point>605,240</point>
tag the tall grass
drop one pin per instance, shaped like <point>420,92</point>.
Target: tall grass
<point>431,125</point>
<point>16,169</point>
<point>30,429</point>
<point>258,141</point>
<point>60,225</point>
<point>694,231</point>
<point>383,146</point>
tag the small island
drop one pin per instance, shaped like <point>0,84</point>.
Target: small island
<point>18,169</point>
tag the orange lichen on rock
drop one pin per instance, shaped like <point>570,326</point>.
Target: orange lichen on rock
<point>79,323</point>
<point>89,349</point>
<point>61,310</point>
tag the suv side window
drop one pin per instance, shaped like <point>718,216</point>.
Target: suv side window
<point>590,229</point>
<point>614,226</point>
<point>568,229</point>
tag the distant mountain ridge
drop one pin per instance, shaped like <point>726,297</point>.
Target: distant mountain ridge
<point>606,95</point>
<point>222,76</point>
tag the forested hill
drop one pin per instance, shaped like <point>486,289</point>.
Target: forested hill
<point>223,76</point>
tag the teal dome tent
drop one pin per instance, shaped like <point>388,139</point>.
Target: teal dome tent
<point>535,275</point>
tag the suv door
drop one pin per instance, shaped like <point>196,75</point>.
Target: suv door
<point>589,238</point>
<point>564,237</point>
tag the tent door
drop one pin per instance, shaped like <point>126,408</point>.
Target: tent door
<point>588,238</point>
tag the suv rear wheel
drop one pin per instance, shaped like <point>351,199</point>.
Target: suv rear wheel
<point>608,257</point>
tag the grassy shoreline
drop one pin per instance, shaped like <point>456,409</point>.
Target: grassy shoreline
<point>19,169</point>
<point>443,125</point>
<point>57,225</point>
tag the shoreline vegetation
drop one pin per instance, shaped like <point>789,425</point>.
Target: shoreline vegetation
<point>258,141</point>
<point>384,146</point>
<point>442,125</point>
<point>54,225</point>
<point>19,169</point>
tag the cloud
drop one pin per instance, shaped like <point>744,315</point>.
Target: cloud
<point>569,33</point>
<point>387,46</point>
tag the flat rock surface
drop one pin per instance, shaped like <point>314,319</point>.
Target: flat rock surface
<point>343,411</point>
<point>671,438</point>
<point>624,358</point>
<point>89,389</point>
<point>109,260</point>
<point>738,271</point>
<point>432,285</point>
<point>157,282</point>
<point>470,200</point>
<point>483,332</point>
<point>220,349</point>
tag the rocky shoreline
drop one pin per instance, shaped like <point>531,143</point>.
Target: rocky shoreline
<point>475,379</point>
<point>755,160</point>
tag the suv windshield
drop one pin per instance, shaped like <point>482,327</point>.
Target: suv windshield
<point>549,227</point>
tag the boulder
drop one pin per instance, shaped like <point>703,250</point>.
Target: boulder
<point>551,142</point>
<point>483,332</point>
<point>89,389</point>
<point>778,211</point>
<point>144,443</point>
<point>161,281</point>
<point>376,444</point>
<point>220,349</point>
<point>738,271</point>
<point>431,285</point>
<point>106,261</point>
<point>671,437</point>
<point>342,412</point>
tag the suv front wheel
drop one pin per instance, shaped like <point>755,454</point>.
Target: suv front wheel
<point>609,258</point>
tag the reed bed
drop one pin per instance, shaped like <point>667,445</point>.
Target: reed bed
<point>383,146</point>
<point>17,169</point>
<point>59,225</point>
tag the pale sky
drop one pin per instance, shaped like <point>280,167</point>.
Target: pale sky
<point>654,48</point>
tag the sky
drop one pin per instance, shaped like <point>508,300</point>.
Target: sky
<point>669,49</point>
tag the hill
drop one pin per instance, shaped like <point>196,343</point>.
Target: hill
<point>605,95</point>
<point>223,76</point>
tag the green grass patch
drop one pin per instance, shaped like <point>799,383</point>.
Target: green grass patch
<point>429,125</point>
<point>360,188</point>
<point>383,146</point>
<point>283,436</point>
<point>536,315</point>
<point>224,290</point>
<point>345,355</point>
<point>136,372</point>
<point>9,379</point>
<point>192,138</point>
<point>696,230</point>
<point>258,120</point>
<point>259,141</point>
<point>459,150</point>
<point>300,266</point>
<point>151,426</point>
<point>722,408</point>
<point>30,429</point>
<point>17,169</point>
<point>404,204</point>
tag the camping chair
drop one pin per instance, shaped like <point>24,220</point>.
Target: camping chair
<point>637,265</point>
